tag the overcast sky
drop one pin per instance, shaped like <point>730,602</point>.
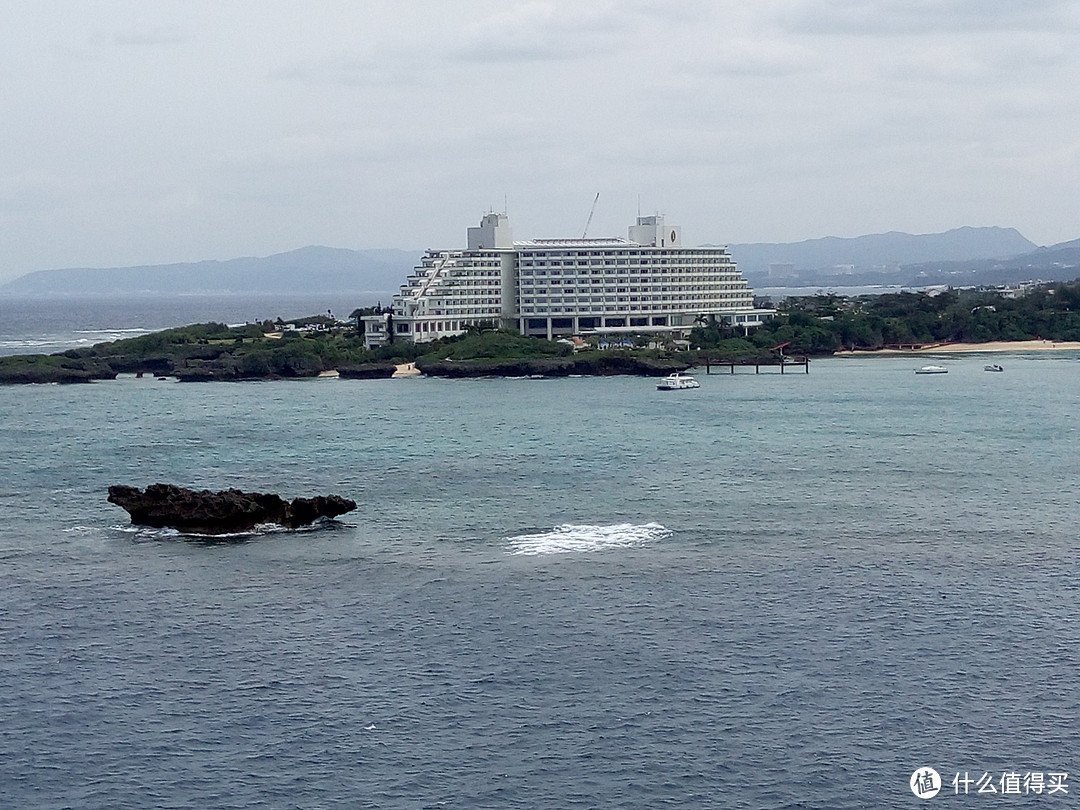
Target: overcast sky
<point>154,132</point>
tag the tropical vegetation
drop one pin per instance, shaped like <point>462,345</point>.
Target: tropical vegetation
<point>824,324</point>
<point>817,325</point>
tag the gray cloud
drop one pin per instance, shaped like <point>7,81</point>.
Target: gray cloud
<point>151,37</point>
<point>191,130</point>
<point>347,71</point>
<point>754,57</point>
<point>545,31</point>
<point>908,17</point>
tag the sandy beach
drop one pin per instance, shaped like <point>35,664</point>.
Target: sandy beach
<point>975,348</point>
<point>406,370</point>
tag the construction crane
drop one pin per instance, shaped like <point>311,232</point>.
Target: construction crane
<point>591,212</point>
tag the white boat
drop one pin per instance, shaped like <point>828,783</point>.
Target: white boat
<point>677,380</point>
<point>994,367</point>
<point>932,370</point>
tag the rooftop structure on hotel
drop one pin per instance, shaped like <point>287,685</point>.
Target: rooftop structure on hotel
<point>647,283</point>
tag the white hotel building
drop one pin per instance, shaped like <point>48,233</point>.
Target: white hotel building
<point>648,283</point>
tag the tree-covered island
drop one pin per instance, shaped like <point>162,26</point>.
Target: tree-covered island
<point>824,324</point>
<point>811,326</point>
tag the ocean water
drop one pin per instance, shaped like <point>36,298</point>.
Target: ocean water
<point>779,293</point>
<point>768,592</point>
<point>46,325</point>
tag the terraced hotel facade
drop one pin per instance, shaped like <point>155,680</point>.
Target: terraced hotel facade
<point>648,283</point>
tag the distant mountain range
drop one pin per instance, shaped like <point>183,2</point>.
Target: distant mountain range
<point>884,249</point>
<point>307,270</point>
<point>960,257</point>
<point>1060,262</point>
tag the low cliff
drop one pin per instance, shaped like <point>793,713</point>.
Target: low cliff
<point>597,365</point>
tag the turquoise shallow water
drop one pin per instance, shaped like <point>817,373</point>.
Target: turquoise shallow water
<point>767,592</point>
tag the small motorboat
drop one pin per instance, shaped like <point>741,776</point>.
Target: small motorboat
<point>932,370</point>
<point>677,380</point>
<point>993,367</point>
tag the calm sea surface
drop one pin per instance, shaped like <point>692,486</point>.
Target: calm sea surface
<point>769,592</point>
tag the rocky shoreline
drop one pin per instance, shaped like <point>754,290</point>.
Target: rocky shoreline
<point>213,353</point>
<point>592,365</point>
<point>187,366</point>
<point>73,371</point>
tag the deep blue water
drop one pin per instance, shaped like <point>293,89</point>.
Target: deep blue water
<point>768,592</point>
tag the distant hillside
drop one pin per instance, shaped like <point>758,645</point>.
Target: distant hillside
<point>1059,262</point>
<point>884,253</point>
<point>307,270</point>
<point>960,257</point>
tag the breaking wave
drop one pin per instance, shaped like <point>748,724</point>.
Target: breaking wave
<point>573,538</point>
<point>77,339</point>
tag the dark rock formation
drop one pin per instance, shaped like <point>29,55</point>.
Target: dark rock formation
<point>227,512</point>
<point>591,365</point>
<point>366,371</point>
<point>36,368</point>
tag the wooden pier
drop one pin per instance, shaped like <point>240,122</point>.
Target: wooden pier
<point>781,361</point>
<point>804,362</point>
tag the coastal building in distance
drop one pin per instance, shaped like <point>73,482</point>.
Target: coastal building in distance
<point>649,283</point>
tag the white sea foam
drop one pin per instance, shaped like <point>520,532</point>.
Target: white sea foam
<point>149,533</point>
<point>573,538</point>
<point>81,531</point>
<point>48,343</point>
<point>132,331</point>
